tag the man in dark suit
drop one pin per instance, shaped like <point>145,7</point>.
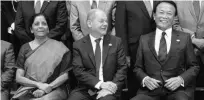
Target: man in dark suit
<point>99,62</point>
<point>133,19</point>
<point>7,68</point>
<point>55,10</point>
<point>166,65</point>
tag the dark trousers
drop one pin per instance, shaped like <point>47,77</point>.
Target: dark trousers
<point>199,81</point>
<point>179,95</point>
<point>84,95</point>
<point>4,94</point>
<point>133,84</point>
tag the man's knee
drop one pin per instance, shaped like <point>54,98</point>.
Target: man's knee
<point>144,97</point>
<point>77,95</point>
<point>109,97</point>
<point>178,96</point>
<point>181,97</point>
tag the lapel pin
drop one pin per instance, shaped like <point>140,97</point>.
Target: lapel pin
<point>178,40</point>
<point>109,44</point>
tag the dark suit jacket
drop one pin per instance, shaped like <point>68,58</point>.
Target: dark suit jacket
<point>181,61</point>
<point>132,20</point>
<point>7,64</point>
<point>114,63</point>
<point>56,12</point>
<point>7,18</point>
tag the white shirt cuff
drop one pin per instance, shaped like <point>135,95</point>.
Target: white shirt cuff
<point>182,84</point>
<point>97,86</point>
<point>143,85</point>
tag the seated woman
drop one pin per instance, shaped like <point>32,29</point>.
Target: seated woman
<point>43,65</point>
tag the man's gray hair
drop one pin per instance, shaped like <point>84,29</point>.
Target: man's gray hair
<point>92,14</point>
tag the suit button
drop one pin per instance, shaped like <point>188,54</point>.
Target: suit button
<point>198,27</point>
<point>161,70</point>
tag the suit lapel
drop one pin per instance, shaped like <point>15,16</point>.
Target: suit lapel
<point>201,11</point>
<point>31,4</point>
<point>191,8</point>
<point>143,8</point>
<point>151,43</point>
<point>106,47</point>
<point>102,5</point>
<point>45,3</point>
<point>89,48</point>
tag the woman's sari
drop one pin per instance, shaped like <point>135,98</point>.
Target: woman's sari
<point>41,63</point>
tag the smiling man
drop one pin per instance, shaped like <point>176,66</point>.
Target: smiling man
<point>166,65</point>
<point>99,62</point>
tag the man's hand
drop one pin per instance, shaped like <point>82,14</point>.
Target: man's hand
<point>198,42</point>
<point>110,86</point>
<point>151,83</point>
<point>103,93</point>
<point>38,93</point>
<point>11,28</point>
<point>173,83</point>
<point>188,31</point>
<point>45,87</point>
<point>179,28</point>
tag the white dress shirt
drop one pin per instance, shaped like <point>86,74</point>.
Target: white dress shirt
<point>97,2</point>
<point>41,2</point>
<point>151,2</point>
<point>167,37</point>
<point>100,69</point>
<point>200,2</point>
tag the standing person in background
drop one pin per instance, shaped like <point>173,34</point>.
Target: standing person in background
<point>55,10</point>
<point>7,68</point>
<point>133,19</point>
<point>191,20</point>
<point>8,13</point>
<point>78,16</point>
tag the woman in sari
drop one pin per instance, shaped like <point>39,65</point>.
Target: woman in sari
<point>43,65</point>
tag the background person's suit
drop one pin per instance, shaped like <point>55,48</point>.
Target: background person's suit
<point>57,15</point>
<point>187,19</point>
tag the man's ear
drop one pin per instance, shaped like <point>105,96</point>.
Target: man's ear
<point>89,23</point>
<point>154,15</point>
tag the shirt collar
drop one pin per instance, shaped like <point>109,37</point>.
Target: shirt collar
<point>97,2</point>
<point>41,2</point>
<point>200,1</point>
<point>151,2</point>
<point>93,38</point>
<point>168,31</point>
